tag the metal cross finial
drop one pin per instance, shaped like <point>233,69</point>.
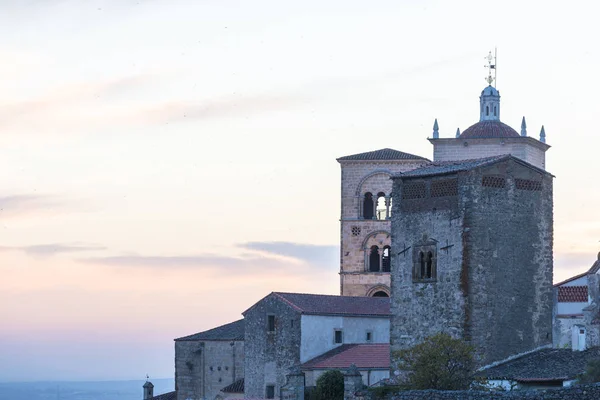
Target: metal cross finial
<point>491,59</point>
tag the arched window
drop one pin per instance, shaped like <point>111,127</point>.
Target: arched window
<point>374,259</point>
<point>422,263</point>
<point>381,207</point>
<point>429,265</point>
<point>368,206</point>
<point>385,260</point>
<point>487,110</point>
<point>380,294</point>
<point>495,111</point>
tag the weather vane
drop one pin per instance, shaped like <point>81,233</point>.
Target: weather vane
<point>491,59</point>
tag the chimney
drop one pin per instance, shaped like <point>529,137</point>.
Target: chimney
<point>148,390</point>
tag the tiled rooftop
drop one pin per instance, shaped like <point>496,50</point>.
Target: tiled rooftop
<point>336,305</point>
<point>165,396</point>
<point>572,294</point>
<point>489,129</point>
<point>543,365</point>
<point>235,387</point>
<point>383,154</point>
<point>449,167</point>
<point>231,331</point>
<point>362,355</point>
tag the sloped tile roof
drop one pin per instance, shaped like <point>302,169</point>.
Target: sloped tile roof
<point>573,294</point>
<point>570,279</point>
<point>543,365</point>
<point>489,129</point>
<point>235,387</point>
<point>383,154</point>
<point>231,331</point>
<point>336,305</point>
<point>165,396</point>
<point>449,167</point>
<point>375,355</point>
<point>593,269</point>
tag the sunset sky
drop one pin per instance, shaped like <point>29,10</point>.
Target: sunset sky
<point>166,164</point>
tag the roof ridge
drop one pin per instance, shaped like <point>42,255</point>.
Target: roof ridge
<point>385,153</point>
<point>279,295</point>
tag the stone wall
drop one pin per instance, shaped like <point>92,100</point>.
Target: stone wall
<point>508,237</point>
<point>270,355</point>
<point>584,392</point>
<point>493,250</point>
<point>203,368</point>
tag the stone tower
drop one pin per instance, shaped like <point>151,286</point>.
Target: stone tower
<point>472,256</point>
<point>472,242</point>
<point>365,219</point>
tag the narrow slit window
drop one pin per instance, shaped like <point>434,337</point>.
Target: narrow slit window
<point>271,323</point>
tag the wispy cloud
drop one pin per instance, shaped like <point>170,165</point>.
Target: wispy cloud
<point>269,257</point>
<point>210,264</point>
<point>19,205</point>
<point>47,250</point>
<point>233,106</point>
<point>64,97</point>
<point>310,253</point>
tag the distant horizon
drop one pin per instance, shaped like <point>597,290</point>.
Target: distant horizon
<point>91,381</point>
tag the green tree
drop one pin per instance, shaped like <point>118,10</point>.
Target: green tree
<point>440,362</point>
<point>592,372</point>
<point>330,386</point>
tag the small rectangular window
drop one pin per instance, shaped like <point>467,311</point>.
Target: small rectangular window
<point>337,337</point>
<point>369,336</point>
<point>270,392</point>
<point>271,323</point>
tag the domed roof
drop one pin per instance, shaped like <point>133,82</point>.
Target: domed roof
<point>489,129</point>
<point>490,91</point>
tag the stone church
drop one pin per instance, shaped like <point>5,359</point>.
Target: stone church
<point>462,244</point>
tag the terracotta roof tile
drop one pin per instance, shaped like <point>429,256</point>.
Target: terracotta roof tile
<point>489,129</point>
<point>231,331</point>
<point>375,355</point>
<point>383,154</point>
<point>572,294</point>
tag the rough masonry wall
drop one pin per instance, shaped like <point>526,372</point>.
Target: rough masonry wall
<point>507,246</point>
<point>270,355</point>
<point>203,368</point>
<point>357,233</point>
<point>583,392</point>
<point>420,309</point>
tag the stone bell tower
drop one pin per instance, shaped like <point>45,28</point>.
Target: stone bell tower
<point>367,197</point>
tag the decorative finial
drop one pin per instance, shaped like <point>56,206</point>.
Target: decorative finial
<point>523,127</point>
<point>457,132</point>
<point>147,377</point>
<point>543,135</point>
<point>436,130</point>
<point>491,59</point>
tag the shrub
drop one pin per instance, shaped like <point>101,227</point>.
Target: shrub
<point>592,372</point>
<point>330,386</point>
<point>440,362</point>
